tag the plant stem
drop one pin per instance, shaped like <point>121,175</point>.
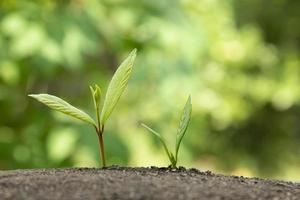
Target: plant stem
<point>100,131</point>
<point>174,165</point>
<point>101,145</point>
<point>173,161</point>
<point>98,120</point>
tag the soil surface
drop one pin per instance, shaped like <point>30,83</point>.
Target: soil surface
<point>138,183</point>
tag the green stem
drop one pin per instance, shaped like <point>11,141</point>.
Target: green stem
<point>100,131</point>
<point>173,161</point>
<point>98,119</point>
<point>101,145</point>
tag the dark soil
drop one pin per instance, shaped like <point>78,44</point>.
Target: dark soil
<point>138,183</point>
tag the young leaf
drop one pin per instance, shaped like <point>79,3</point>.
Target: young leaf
<point>170,155</point>
<point>117,86</point>
<point>96,93</point>
<point>184,122</point>
<point>62,106</point>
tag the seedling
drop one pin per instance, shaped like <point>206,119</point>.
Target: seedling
<point>115,89</point>
<point>183,125</point>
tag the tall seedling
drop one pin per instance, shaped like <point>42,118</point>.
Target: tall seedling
<point>183,125</point>
<point>115,89</point>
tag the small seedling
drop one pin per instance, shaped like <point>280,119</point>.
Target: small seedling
<point>184,122</point>
<point>115,89</point>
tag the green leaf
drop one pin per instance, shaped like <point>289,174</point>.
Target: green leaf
<point>62,106</point>
<point>117,86</point>
<point>184,122</point>
<point>153,132</point>
<point>170,155</point>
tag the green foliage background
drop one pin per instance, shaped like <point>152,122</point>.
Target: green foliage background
<point>239,59</point>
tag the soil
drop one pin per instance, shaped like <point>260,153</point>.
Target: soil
<point>138,183</point>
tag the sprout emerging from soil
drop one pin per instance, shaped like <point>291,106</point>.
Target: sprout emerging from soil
<point>115,89</point>
<point>183,125</point>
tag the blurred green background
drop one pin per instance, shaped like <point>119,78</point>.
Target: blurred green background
<point>239,59</point>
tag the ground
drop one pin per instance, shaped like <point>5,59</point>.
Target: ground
<point>138,183</point>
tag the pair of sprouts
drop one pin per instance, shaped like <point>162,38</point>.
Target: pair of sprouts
<point>115,89</point>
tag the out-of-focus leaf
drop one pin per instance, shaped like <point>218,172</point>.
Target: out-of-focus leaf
<point>116,86</point>
<point>184,122</point>
<point>170,155</point>
<point>62,106</point>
